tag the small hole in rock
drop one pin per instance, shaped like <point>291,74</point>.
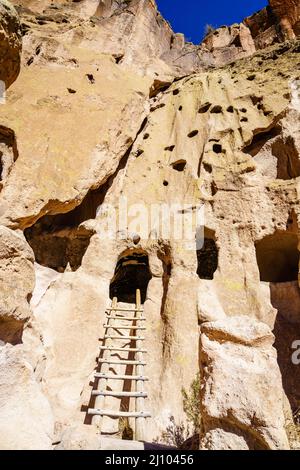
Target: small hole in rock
<point>179,165</point>
<point>204,108</point>
<point>213,188</point>
<point>230,109</point>
<point>139,152</point>
<point>256,99</point>
<point>216,109</point>
<point>176,92</point>
<point>170,148</point>
<point>251,78</point>
<point>146,136</point>
<point>118,58</point>
<point>193,133</point>
<point>90,77</point>
<point>217,148</point>
<point>166,183</point>
<point>70,90</point>
<point>207,167</point>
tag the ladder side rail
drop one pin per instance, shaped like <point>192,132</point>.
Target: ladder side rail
<point>103,381</point>
<point>139,401</point>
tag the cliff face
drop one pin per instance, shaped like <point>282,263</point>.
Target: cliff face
<point>10,43</point>
<point>288,15</point>
<point>110,104</point>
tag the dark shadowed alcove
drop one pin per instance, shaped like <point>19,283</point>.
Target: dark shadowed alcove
<point>278,261</point>
<point>132,272</point>
<point>207,256</point>
<point>278,257</point>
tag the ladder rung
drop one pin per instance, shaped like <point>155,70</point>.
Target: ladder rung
<point>108,348</point>
<point>100,375</point>
<point>115,317</point>
<point>128,414</point>
<point>116,327</point>
<point>121,361</point>
<point>119,394</point>
<point>124,337</point>
<point>125,309</point>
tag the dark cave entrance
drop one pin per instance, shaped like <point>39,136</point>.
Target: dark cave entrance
<point>278,263</point>
<point>278,257</point>
<point>56,245</point>
<point>132,272</point>
<point>208,256</point>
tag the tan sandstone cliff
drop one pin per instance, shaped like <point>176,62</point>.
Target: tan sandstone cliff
<point>110,102</point>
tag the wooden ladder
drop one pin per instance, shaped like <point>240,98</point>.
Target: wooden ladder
<point>114,328</point>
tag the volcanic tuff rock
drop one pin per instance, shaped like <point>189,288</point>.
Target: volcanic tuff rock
<point>10,43</point>
<point>288,13</point>
<point>110,102</point>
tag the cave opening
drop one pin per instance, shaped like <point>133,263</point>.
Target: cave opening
<point>207,256</point>
<point>132,272</point>
<point>57,246</point>
<point>278,262</point>
<point>278,257</point>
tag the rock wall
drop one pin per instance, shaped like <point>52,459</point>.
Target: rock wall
<point>93,118</point>
<point>10,43</point>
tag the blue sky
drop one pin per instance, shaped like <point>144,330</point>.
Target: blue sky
<point>191,16</point>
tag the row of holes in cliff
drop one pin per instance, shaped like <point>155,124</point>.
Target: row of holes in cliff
<point>277,258</point>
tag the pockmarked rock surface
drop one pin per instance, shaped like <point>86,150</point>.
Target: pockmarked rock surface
<point>113,113</point>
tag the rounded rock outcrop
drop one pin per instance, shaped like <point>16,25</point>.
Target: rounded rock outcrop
<point>10,43</point>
